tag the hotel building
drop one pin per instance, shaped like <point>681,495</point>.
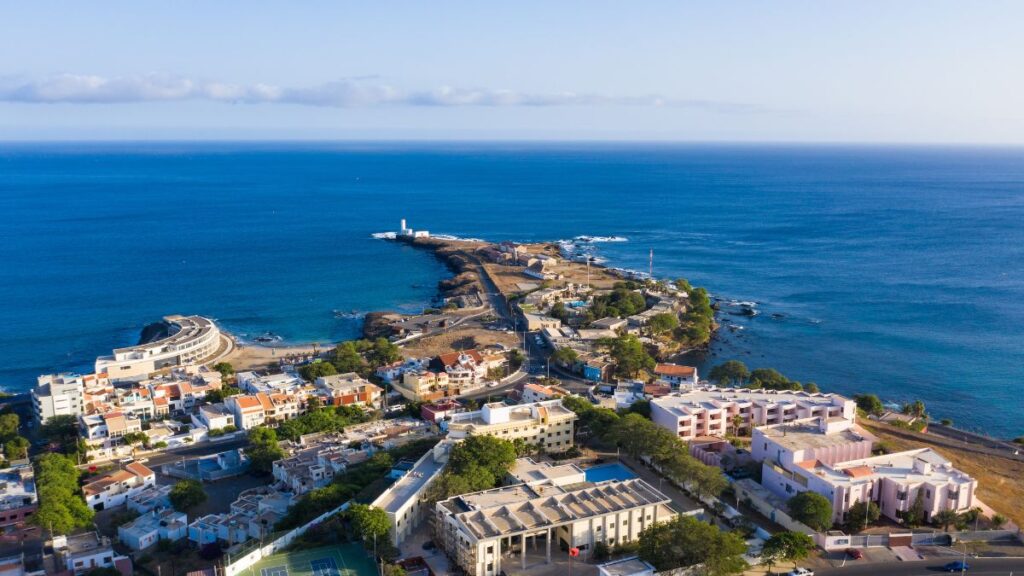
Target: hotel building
<point>713,411</point>
<point>547,423</point>
<point>193,340</point>
<point>480,531</point>
<point>832,457</point>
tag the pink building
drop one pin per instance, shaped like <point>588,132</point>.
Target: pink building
<point>832,457</point>
<point>715,411</point>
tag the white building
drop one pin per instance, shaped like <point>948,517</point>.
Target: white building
<point>115,488</point>
<point>192,340</point>
<point>483,530</point>
<point>284,383</point>
<point>715,411</point>
<point>548,423</point>
<point>677,375</point>
<point>214,416</point>
<point>832,457</point>
<point>147,529</point>
<point>58,395</point>
<point>84,552</point>
<point>403,501</point>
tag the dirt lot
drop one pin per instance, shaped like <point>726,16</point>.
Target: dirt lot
<point>457,340</point>
<point>1000,480</point>
<point>507,278</point>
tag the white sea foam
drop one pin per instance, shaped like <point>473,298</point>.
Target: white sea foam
<point>597,239</point>
<point>384,235</point>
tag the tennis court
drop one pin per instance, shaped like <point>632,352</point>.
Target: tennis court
<point>338,560</point>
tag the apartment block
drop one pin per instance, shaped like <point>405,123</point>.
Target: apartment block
<point>18,499</point>
<point>712,411</point>
<point>548,423</point>
<point>349,389</point>
<point>832,457</point>
<point>58,395</point>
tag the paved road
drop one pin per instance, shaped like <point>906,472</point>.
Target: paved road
<point>173,455</point>
<point>979,567</point>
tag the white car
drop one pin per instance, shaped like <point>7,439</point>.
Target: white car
<point>126,460</point>
<point>801,572</point>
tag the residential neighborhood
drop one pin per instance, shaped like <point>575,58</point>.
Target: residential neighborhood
<point>565,428</point>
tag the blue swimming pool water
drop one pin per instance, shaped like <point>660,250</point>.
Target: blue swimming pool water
<point>604,472</point>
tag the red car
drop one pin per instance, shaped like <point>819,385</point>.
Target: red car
<point>855,553</point>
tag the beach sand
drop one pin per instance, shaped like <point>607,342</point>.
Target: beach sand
<point>252,357</point>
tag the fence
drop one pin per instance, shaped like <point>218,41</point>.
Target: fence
<point>235,566</point>
<point>946,538</point>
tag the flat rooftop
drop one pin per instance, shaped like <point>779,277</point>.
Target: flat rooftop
<point>513,509</point>
<point>713,398</point>
<point>528,471</point>
<point>410,484</point>
<point>897,466</point>
<point>803,435</point>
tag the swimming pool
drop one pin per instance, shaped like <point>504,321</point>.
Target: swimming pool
<point>613,471</point>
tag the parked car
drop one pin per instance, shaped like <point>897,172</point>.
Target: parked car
<point>957,566</point>
<point>126,460</point>
<point>801,572</point>
<point>854,553</point>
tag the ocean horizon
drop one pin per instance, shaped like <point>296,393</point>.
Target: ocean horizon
<point>889,269</point>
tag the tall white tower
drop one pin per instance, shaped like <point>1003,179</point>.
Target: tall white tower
<point>402,229</point>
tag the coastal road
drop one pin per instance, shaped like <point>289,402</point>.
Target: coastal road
<point>979,567</point>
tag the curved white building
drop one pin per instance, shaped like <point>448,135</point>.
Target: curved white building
<point>193,340</point>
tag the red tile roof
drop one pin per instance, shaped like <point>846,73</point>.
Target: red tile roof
<point>674,370</point>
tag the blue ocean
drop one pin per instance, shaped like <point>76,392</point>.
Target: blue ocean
<point>895,270</point>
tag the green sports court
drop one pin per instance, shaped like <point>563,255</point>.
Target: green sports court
<point>336,560</point>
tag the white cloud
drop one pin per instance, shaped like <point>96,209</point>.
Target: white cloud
<point>347,93</point>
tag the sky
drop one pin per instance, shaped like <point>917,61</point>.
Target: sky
<point>931,71</point>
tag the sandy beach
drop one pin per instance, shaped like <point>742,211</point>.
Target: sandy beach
<point>253,357</point>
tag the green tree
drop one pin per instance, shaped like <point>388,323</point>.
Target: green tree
<point>317,369</point>
<point>812,388</point>
<point>772,379</point>
<point>686,541</point>
<point>944,518</point>
<point>812,509</point>
<point>263,449</point>
<point>869,403</point>
<point>135,438</point>
<point>601,552</point>
<point>565,356</point>
<point>225,369</point>
<point>630,355</point>
<point>347,358</point>
<point>730,372</point>
<point>62,430</point>
<point>664,322</point>
<point>9,424</point>
<point>61,508</point>
<point>861,516</point>
<point>998,521</point>
<point>786,547</point>
<point>369,522</point>
<point>914,516</point>
<point>214,396</point>
<point>16,448</point>
<point>708,481</point>
<point>383,352</point>
<point>915,408</point>
<point>492,454</point>
<point>635,434</point>
<point>186,494</point>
